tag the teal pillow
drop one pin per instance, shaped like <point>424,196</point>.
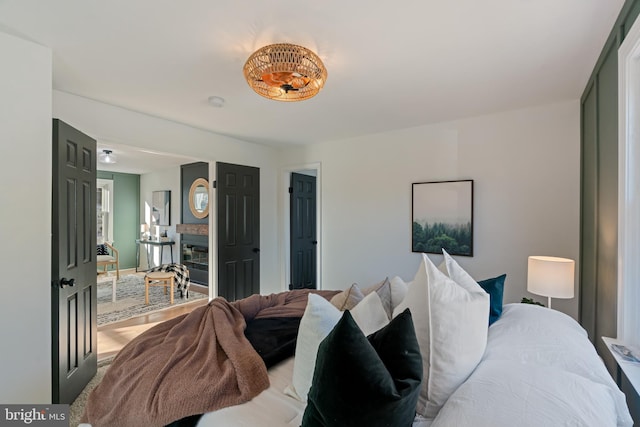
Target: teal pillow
<point>495,288</point>
<point>366,381</point>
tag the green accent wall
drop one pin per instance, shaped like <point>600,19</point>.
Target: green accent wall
<point>599,199</point>
<point>126,214</point>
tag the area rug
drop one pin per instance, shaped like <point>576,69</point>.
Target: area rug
<point>130,299</point>
<point>77,407</point>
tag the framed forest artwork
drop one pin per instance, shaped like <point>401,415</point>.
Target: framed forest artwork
<point>442,217</point>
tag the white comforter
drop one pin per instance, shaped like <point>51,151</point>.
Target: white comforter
<point>539,369</point>
<point>271,408</point>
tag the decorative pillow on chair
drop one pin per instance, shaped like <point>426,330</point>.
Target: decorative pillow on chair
<point>451,325</point>
<point>318,320</point>
<point>102,250</point>
<point>366,381</point>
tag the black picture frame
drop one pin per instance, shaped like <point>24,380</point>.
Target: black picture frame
<point>442,217</point>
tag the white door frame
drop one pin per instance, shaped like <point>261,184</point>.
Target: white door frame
<point>629,187</point>
<point>213,233</point>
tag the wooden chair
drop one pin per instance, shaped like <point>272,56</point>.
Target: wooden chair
<point>110,259</point>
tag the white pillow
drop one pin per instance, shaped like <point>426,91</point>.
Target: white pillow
<point>451,327</point>
<point>370,314</point>
<point>398,291</point>
<point>458,274</point>
<point>443,265</point>
<point>318,320</point>
<point>383,289</point>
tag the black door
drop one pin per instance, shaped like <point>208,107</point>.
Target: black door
<point>303,231</point>
<point>238,207</point>
<point>73,262</point>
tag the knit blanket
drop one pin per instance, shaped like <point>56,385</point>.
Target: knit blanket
<point>196,363</point>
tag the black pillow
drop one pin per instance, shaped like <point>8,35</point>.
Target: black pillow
<point>102,250</point>
<point>366,381</point>
<point>274,338</point>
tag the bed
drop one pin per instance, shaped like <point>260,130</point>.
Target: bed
<point>539,369</point>
<point>532,366</point>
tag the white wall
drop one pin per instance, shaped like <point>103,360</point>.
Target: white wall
<point>167,179</point>
<point>525,166</point>
<point>107,123</point>
<point>25,229</point>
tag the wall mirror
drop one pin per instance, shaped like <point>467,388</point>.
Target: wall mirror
<point>161,208</point>
<point>199,198</point>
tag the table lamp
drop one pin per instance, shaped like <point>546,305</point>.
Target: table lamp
<point>551,277</point>
<point>144,231</point>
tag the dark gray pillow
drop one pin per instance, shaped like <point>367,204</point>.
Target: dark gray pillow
<point>366,381</point>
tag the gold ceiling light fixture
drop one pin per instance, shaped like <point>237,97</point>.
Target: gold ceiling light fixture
<point>285,72</point>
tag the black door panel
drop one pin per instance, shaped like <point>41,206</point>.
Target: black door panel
<point>303,231</point>
<point>238,207</point>
<point>73,262</point>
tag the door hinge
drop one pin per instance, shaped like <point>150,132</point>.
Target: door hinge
<point>290,190</point>
<point>215,184</point>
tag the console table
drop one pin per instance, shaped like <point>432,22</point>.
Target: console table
<point>149,244</point>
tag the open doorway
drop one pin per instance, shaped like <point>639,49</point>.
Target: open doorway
<point>301,226</point>
<point>135,177</point>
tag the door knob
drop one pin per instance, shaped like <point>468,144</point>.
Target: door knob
<point>315,242</point>
<point>256,250</point>
<point>67,282</point>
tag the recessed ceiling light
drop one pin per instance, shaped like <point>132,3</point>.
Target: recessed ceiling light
<point>216,101</point>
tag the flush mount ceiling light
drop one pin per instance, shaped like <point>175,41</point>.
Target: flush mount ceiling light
<point>107,156</point>
<point>285,72</point>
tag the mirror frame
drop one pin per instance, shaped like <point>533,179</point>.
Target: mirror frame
<point>192,191</point>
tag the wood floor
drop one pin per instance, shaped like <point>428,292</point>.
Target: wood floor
<point>112,337</point>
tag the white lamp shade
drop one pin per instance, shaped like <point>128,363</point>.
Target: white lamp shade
<point>550,276</point>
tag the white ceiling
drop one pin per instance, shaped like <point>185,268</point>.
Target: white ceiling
<point>138,161</point>
<point>391,64</point>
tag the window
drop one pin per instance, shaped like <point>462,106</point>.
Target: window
<point>104,200</point>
